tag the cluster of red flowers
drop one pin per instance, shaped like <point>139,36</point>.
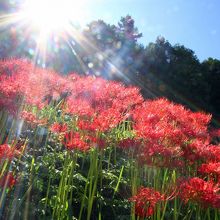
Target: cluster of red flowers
<point>145,201</point>
<point>58,128</point>
<point>206,193</point>
<point>7,152</point>
<point>75,141</point>
<point>211,169</point>
<point>31,118</point>
<point>99,105</point>
<point>163,133</point>
<point>215,133</point>
<point>171,134</point>
<point>157,118</point>
<point>23,83</point>
<point>130,143</point>
<point>7,181</point>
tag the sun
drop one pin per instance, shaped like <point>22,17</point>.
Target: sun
<point>52,15</point>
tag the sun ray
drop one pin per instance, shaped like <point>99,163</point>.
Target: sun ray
<point>10,18</point>
<point>46,18</point>
<point>52,15</point>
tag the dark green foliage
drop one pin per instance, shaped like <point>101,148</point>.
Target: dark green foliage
<point>211,68</point>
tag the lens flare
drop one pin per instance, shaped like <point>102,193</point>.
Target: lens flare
<point>52,15</point>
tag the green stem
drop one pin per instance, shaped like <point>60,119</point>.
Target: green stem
<point>119,180</point>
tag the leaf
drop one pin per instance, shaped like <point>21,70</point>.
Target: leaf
<point>80,177</point>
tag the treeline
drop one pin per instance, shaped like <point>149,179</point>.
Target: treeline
<point>113,52</point>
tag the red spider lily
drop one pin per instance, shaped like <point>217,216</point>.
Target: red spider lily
<point>127,98</point>
<point>22,80</point>
<point>212,153</point>
<point>7,181</point>
<point>86,125</point>
<point>168,129</point>
<point>73,140</point>
<point>31,118</point>
<point>58,128</point>
<point>145,201</point>
<point>205,193</point>
<point>8,104</point>
<point>102,101</point>
<point>97,142</point>
<point>164,117</point>
<point>102,122</point>
<point>7,152</point>
<point>215,133</point>
<point>130,143</point>
<point>107,119</point>
<point>79,107</point>
<point>211,169</point>
<point>104,104</point>
<point>131,146</point>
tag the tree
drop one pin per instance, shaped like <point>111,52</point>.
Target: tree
<point>127,30</point>
<point>155,67</point>
<point>187,78</point>
<point>212,69</point>
<point>112,50</point>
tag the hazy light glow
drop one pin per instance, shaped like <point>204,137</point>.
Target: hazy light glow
<point>52,15</point>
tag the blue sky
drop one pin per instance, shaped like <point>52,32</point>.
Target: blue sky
<point>193,23</point>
